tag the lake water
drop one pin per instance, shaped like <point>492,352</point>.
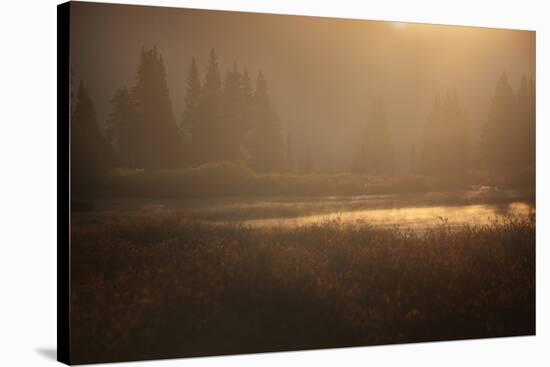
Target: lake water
<point>414,217</point>
<point>417,211</point>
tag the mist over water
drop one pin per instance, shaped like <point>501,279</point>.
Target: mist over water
<point>412,217</point>
<point>406,211</point>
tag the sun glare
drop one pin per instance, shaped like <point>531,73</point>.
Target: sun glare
<point>399,25</point>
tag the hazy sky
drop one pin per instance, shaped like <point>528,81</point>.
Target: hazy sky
<point>322,73</point>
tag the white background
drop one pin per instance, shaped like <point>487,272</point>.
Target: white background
<point>28,183</point>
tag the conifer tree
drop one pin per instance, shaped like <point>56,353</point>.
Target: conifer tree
<point>457,153</point>
<point>157,133</point>
<point>191,115</point>
<point>246,107</point>
<point>90,151</point>
<point>233,116</point>
<point>246,87</point>
<point>374,152</point>
<point>289,157</point>
<point>208,130</point>
<point>308,161</point>
<point>500,131</point>
<point>266,145</point>
<point>432,143</point>
<point>446,143</point>
<point>526,141</point>
<point>122,128</point>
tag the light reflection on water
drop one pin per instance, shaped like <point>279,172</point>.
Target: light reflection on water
<point>414,217</point>
<point>475,207</point>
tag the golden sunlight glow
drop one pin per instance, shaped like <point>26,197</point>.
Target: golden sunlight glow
<point>415,217</point>
<point>399,25</point>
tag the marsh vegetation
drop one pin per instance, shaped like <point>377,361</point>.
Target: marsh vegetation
<point>148,286</point>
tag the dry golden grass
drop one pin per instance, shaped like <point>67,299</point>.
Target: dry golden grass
<point>151,287</point>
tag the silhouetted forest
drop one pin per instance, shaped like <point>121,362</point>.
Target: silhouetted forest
<point>90,150</point>
<point>232,119</point>
<point>222,121</point>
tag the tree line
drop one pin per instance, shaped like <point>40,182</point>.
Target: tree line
<point>231,120</point>
<point>234,120</point>
<point>225,120</point>
<point>506,141</point>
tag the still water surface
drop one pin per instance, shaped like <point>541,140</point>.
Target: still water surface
<point>417,211</point>
<point>414,217</point>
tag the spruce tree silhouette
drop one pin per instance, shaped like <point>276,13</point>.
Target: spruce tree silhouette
<point>498,139</point>
<point>246,87</point>
<point>308,166</point>
<point>374,152</point>
<point>289,156</point>
<point>233,115</point>
<point>91,153</point>
<point>246,111</point>
<point>158,137</point>
<point>526,141</point>
<point>229,121</point>
<point>122,129</point>
<point>207,129</point>
<point>265,144</point>
<point>190,116</point>
<point>446,142</point>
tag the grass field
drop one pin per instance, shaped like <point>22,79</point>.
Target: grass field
<point>162,286</point>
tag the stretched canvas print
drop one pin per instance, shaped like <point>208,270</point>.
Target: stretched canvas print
<point>234,182</point>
